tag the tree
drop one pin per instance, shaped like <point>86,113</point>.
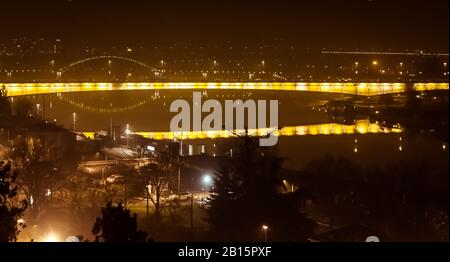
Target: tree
<point>157,176</point>
<point>117,225</point>
<point>10,210</point>
<point>335,183</point>
<point>5,106</point>
<point>246,196</point>
<point>404,201</point>
<point>23,108</point>
<point>226,197</point>
<point>41,180</point>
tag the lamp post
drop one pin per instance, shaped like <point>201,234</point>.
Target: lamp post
<point>148,192</point>
<point>265,228</point>
<point>192,211</point>
<point>74,121</point>
<point>127,132</point>
<point>179,181</point>
<point>207,182</point>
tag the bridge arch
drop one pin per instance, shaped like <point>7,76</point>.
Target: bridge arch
<point>122,58</point>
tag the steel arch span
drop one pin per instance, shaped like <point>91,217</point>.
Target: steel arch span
<point>122,58</point>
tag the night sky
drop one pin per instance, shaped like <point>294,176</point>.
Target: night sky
<point>349,24</point>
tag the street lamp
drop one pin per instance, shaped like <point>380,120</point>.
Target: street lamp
<point>286,184</point>
<point>74,120</point>
<point>265,228</point>
<point>207,180</point>
<point>127,132</point>
<point>51,237</point>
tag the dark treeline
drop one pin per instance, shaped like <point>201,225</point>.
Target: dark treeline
<point>405,201</point>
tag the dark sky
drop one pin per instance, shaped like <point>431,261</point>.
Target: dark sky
<point>363,24</point>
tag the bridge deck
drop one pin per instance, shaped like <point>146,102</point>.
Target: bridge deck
<point>365,89</point>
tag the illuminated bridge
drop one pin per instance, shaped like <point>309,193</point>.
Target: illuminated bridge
<point>364,89</point>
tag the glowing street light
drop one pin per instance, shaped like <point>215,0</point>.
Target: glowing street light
<point>286,184</point>
<point>375,62</point>
<point>207,180</point>
<point>128,132</point>
<point>51,237</point>
<point>74,115</point>
<point>265,228</point>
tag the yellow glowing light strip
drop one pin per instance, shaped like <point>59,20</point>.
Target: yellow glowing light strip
<point>361,127</point>
<point>367,89</point>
